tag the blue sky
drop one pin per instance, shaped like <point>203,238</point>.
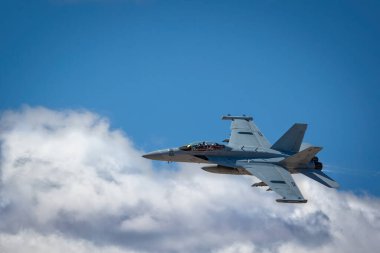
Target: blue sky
<point>165,71</point>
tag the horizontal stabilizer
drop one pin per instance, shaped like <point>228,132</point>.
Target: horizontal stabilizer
<point>291,141</point>
<point>320,177</point>
<point>300,159</point>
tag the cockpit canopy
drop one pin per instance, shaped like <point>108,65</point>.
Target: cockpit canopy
<point>203,146</point>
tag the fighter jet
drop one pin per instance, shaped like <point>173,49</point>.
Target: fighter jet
<point>248,152</point>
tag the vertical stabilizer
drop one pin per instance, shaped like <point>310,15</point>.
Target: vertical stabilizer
<point>291,141</point>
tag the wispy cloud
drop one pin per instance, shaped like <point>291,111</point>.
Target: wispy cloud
<point>69,183</point>
<point>350,171</point>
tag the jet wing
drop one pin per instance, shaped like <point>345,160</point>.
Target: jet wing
<point>245,133</point>
<point>278,179</point>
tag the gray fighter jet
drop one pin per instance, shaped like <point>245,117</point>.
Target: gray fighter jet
<point>248,152</point>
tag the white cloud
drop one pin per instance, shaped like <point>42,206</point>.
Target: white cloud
<point>28,241</point>
<point>142,223</point>
<point>69,183</point>
<point>241,247</point>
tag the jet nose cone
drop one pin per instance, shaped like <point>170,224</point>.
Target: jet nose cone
<point>148,155</point>
<point>156,155</point>
<point>161,155</point>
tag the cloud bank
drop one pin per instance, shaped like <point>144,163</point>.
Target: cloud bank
<point>70,183</point>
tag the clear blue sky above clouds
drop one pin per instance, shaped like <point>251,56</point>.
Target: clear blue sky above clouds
<point>165,71</point>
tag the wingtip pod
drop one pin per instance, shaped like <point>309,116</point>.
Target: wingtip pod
<point>292,201</point>
<point>229,117</point>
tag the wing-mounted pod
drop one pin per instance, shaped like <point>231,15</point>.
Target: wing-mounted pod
<point>219,169</point>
